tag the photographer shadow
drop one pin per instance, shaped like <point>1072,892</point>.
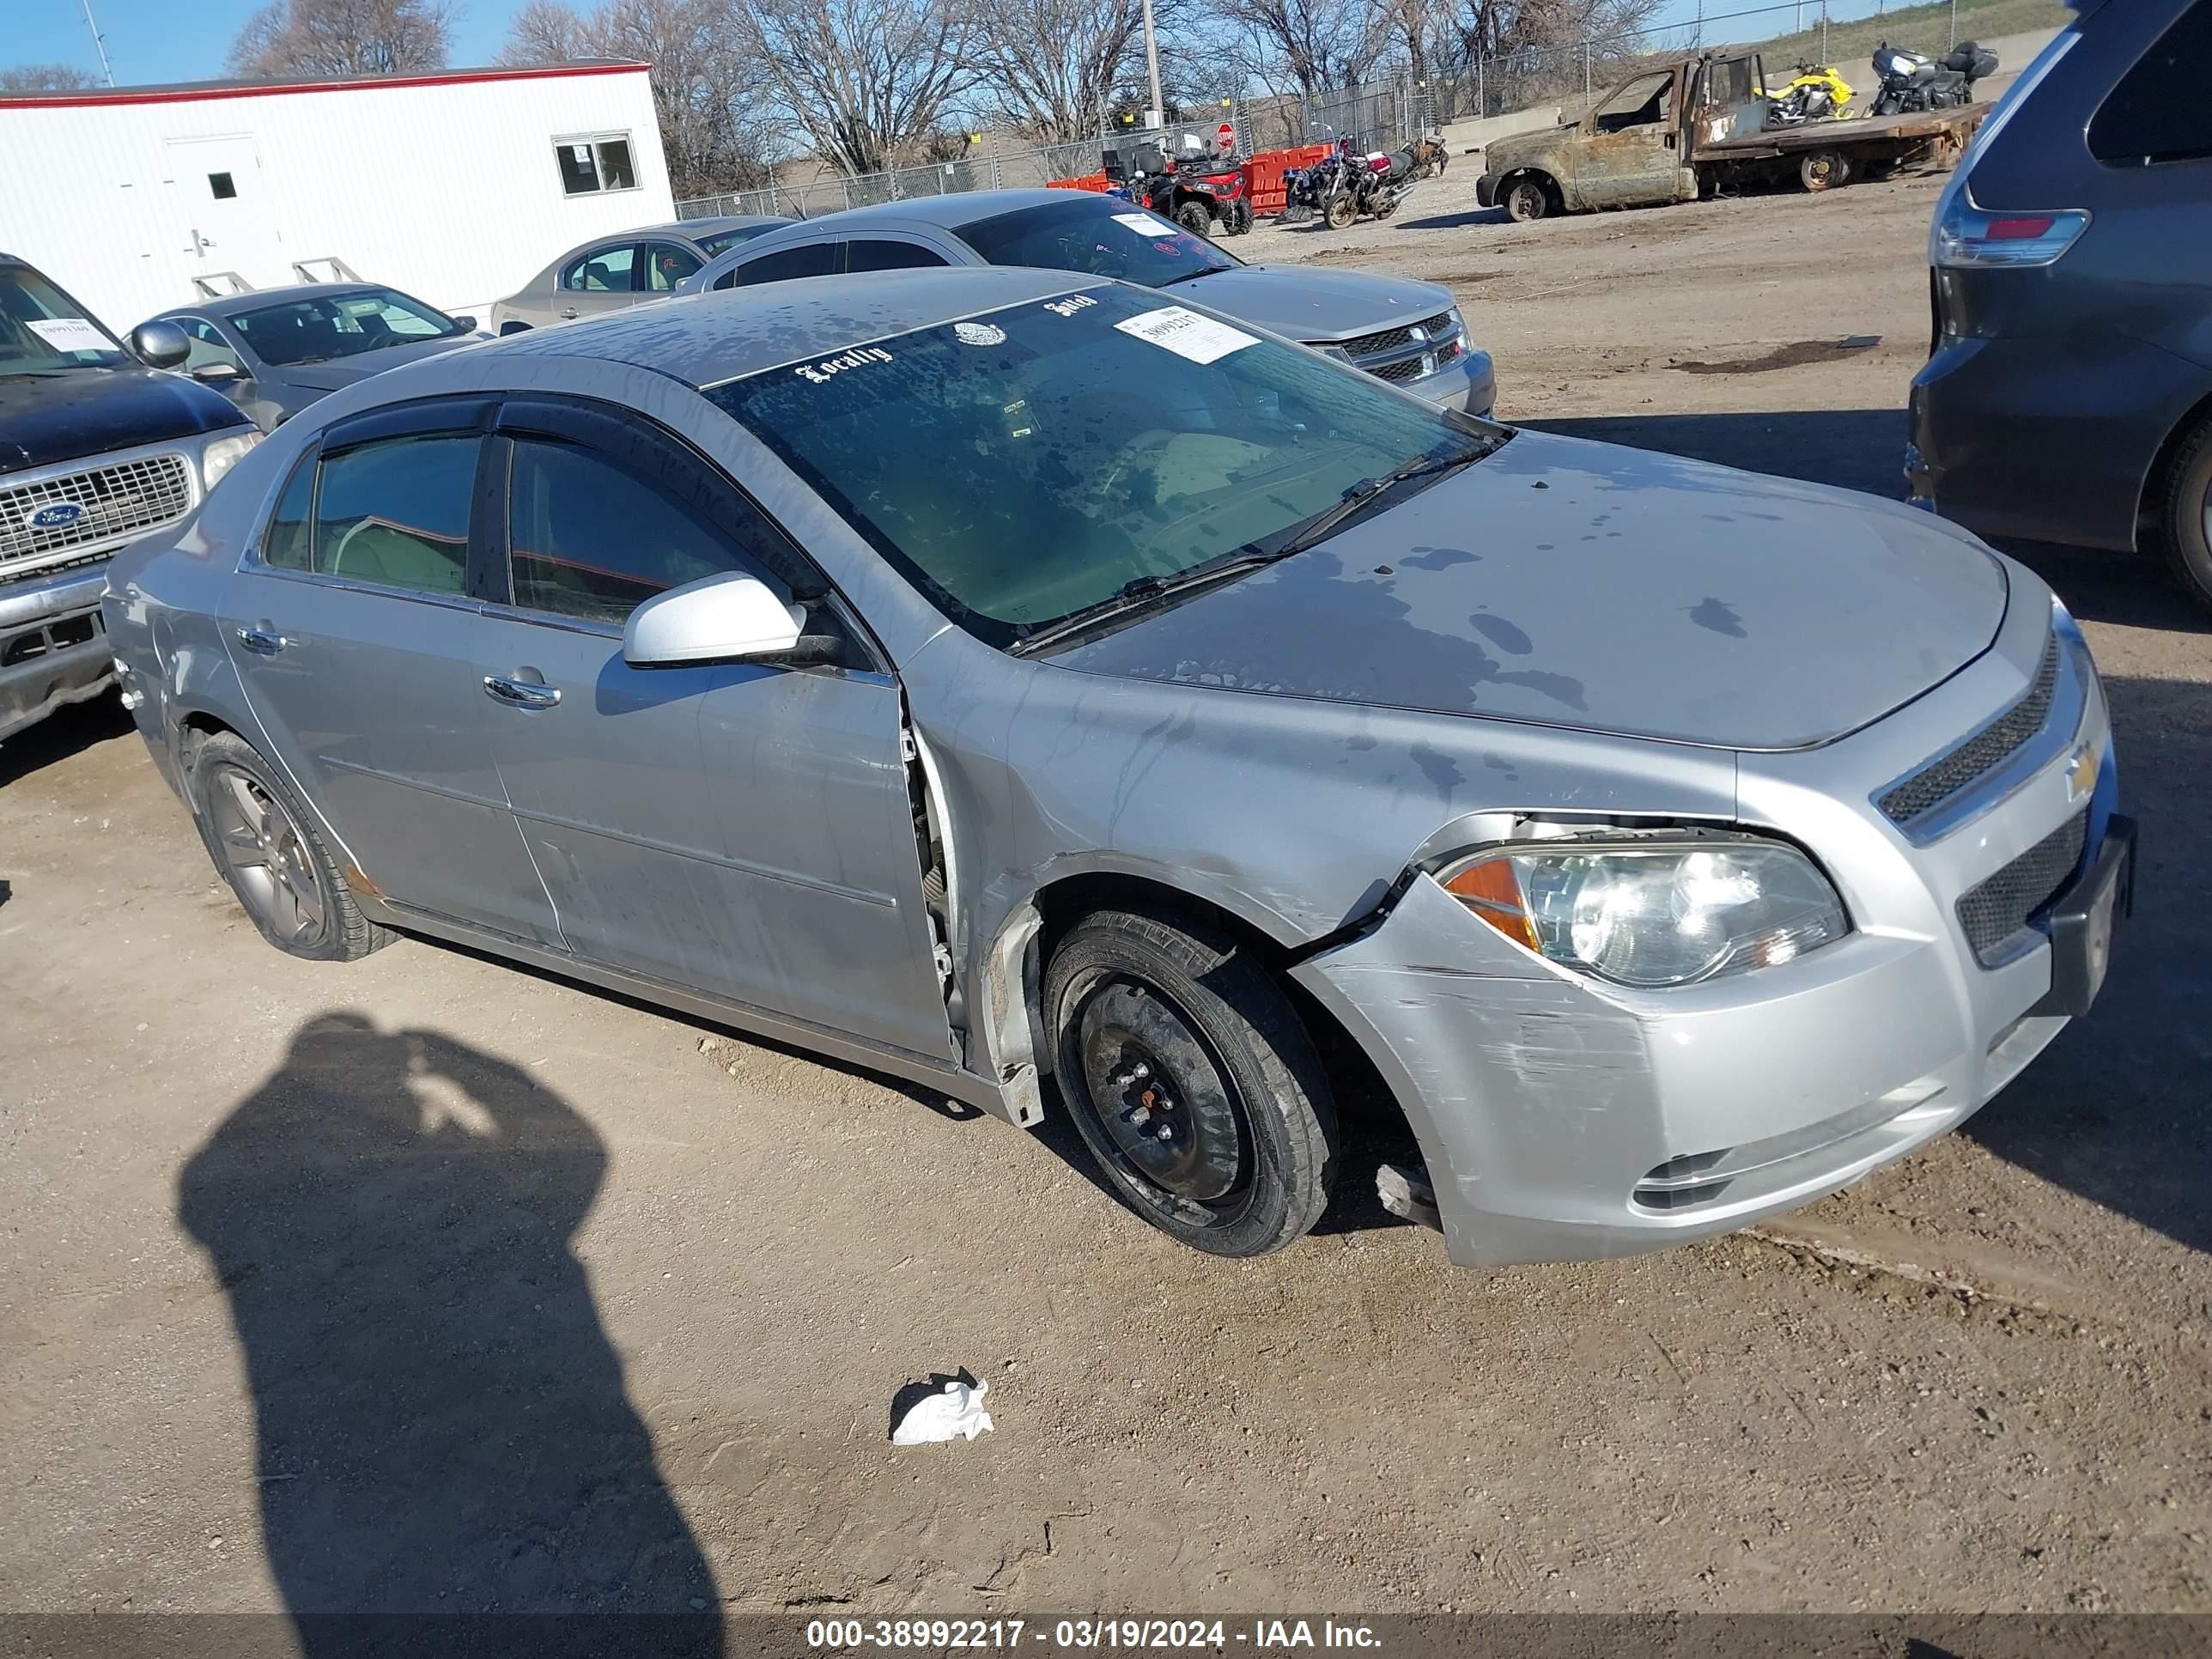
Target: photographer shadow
<point>442,1422</point>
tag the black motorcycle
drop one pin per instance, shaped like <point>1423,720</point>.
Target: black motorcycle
<point>1912,80</point>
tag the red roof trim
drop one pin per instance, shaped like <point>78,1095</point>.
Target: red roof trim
<point>284,88</point>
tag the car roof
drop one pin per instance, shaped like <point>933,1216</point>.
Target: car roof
<point>705,339</point>
<point>232,305</point>
<point>694,228</point>
<point>963,207</point>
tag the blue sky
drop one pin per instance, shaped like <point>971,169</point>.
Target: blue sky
<point>153,41</point>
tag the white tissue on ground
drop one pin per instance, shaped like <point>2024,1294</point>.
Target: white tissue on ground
<point>958,1411</point>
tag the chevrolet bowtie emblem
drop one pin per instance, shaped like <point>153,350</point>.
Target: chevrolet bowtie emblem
<point>2081,772</point>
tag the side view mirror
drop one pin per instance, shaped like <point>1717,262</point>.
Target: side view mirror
<point>217,374</point>
<point>159,345</point>
<point>724,618</point>
<point>465,324</point>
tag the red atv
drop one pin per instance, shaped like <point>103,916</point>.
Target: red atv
<point>1199,189</point>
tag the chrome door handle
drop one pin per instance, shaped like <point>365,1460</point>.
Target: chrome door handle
<point>522,694</point>
<point>571,311</point>
<point>261,641</point>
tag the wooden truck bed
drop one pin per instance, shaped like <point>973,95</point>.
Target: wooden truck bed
<point>1887,129</point>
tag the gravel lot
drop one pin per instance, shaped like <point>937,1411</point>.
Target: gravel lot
<point>473,1278</point>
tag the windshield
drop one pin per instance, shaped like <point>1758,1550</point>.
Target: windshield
<point>1026,465</point>
<point>723,240</point>
<point>1102,235</point>
<point>340,325</point>
<point>44,331</point>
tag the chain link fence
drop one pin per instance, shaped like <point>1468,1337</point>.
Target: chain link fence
<point>1382,115</point>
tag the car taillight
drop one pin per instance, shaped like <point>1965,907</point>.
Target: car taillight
<point>1966,236</point>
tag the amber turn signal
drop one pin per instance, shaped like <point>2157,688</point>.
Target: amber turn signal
<point>1492,891</point>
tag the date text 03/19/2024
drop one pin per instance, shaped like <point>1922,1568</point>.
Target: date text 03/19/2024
<point>1128,1634</point>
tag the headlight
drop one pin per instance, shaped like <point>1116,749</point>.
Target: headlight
<point>1458,321</point>
<point>1654,913</point>
<point>220,456</point>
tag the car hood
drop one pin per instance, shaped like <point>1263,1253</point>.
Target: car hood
<point>1579,584</point>
<point>1318,305</point>
<point>344,371</point>
<point>1502,155</point>
<point>45,420</point>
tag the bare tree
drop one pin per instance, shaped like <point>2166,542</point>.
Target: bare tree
<point>46,77</point>
<point>1315,45</point>
<point>343,38</point>
<point>546,31</point>
<point>711,99</point>
<point>867,80</point>
<point>1051,66</point>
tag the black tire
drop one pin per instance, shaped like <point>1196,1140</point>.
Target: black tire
<point>1193,218</point>
<point>506,329</point>
<point>1824,169</point>
<point>1527,200</point>
<point>2185,535</point>
<point>226,775</point>
<point>1241,225</point>
<point>1385,206</point>
<point>1179,1015</point>
<point>1343,210</point>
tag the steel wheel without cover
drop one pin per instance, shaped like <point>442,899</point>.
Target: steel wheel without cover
<point>1173,1120</point>
<point>1824,169</point>
<point>268,861</point>
<point>1526,202</point>
<point>1192,1081</point>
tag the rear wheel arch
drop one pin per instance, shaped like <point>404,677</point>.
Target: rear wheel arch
<point>2182,462</point>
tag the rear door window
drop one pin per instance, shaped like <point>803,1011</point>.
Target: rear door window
<point>603,270</point>
<point>396,513</point>
<point>811,259</point>
<point>2159,112</point>
<point>883,253</point>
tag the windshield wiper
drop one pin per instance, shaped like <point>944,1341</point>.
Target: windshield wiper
<point>1367,490</point>
<point>1144,593</point>
<point>1193,276</point>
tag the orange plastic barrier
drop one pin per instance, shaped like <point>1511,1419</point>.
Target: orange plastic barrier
<point>1263,176</point>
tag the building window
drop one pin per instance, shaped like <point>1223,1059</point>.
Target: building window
<point>596,163</point>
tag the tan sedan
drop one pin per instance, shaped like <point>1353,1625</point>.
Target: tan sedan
<point>613,272</point>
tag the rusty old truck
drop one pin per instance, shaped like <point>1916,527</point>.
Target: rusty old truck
<point>1678,133</point>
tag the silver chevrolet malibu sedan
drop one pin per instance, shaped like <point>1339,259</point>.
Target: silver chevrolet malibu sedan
<point>1057,693</point>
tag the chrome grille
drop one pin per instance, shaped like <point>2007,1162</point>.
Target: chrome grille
<point>125,499</point>
<point>1393,339</point>
<point>1944,777</point>
<point>1993,912</point>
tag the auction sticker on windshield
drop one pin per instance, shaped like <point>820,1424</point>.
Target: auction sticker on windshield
<point>1187,334</point>
<point>1144,224</point>
<point>70,334</point>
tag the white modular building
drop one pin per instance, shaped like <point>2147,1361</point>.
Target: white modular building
<point>456,187</point>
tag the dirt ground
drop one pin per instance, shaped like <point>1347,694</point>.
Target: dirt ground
<point>331,1284</point>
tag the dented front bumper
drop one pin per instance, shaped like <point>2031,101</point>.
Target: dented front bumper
<point>1563,1118</point>
<point>1565,1121</point>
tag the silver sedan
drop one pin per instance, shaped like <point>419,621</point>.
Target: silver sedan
<point>1065,695</point>
<point>612,273</point>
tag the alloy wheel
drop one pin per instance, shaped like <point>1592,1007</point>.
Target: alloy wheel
<point>266,857</point>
